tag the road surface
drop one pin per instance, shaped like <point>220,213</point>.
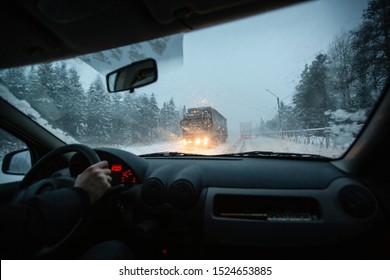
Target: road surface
<point>241,145</point>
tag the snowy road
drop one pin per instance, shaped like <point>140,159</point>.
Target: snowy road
<point>240,145</point>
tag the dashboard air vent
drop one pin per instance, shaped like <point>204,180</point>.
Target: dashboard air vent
<point>153,192</point>
<point>357,202</point>
<point>267,208</point>
<point>183,194</point>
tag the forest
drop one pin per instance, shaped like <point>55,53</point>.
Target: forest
<point>339,87</point>
<point>92,115</point>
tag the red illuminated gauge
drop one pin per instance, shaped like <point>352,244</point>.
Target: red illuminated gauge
<point>122,174</point>
<point>116,168</point>
<point>128,177</point>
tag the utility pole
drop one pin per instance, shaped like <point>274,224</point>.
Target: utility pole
<point>277,99</point>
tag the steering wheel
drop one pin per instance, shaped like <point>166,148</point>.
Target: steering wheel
<point>33,185</point>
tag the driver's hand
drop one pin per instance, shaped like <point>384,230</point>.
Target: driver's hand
<point>95,180</point>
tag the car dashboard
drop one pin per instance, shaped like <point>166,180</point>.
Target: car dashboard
<point>241,207</point>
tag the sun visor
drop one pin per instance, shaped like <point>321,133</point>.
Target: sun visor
<point>167,51</point>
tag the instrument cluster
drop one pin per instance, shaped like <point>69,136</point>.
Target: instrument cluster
<point>121,173</point>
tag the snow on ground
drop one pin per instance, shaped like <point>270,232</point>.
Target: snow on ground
<point>239,145</point>
<point>288,146</point>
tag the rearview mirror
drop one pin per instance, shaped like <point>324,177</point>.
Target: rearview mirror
<point>135,75</point>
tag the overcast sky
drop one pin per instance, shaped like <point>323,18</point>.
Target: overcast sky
<point>230,66</point>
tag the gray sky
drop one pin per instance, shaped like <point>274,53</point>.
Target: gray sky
<point>230,66</point>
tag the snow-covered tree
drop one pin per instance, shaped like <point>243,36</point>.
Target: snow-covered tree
<point>16,81</point>
<point>371,46</point>
<point>341,73</point>
<point>98,121</point>
<point>78,115</point>
<point>312,99</point>
<point>154,116</point>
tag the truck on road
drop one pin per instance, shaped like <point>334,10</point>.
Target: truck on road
<point>203,126</point>
<point>246,130</point>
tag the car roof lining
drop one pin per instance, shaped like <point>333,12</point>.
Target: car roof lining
<point>36,32</point>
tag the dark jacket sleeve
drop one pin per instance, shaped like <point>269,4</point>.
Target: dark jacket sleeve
<point>43,220</point>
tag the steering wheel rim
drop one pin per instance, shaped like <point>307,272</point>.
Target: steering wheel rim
<point>30,177</point>
<point>30,180</point>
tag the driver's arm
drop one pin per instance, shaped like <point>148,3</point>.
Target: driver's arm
<point>46,218</point>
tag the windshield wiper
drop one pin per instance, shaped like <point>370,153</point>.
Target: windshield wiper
<point>273,154</point>
<point>168,154</point>
<point>253,154</point>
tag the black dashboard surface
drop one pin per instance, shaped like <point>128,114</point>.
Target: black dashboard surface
<point>214,203</point>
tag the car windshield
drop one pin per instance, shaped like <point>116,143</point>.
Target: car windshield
<point>299,80</point>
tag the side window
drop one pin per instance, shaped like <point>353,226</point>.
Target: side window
<point>15,159</point>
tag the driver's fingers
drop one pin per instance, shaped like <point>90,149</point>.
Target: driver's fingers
<point>109,179</point>
<point>106,171</point>
<point>101,164</point>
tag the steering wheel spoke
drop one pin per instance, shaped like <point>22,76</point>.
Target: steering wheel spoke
<point>44,185</point>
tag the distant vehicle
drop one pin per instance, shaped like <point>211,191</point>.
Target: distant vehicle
<point>246,130</point>
<point>203,126</point>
